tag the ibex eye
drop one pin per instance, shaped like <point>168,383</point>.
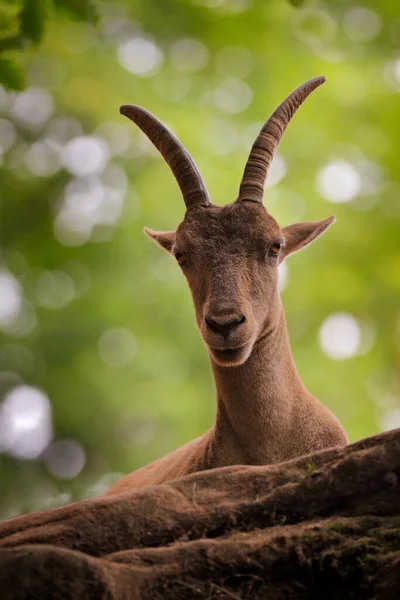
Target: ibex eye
<point>274,249</point>
<point>180,258</point>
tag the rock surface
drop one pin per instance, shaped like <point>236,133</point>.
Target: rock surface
<point>324,526</point>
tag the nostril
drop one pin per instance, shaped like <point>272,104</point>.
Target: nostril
<point>212,324</point>
<point>223,324</point>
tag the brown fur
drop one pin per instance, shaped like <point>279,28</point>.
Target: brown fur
<point>264,412</point>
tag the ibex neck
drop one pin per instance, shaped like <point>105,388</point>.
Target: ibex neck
<point>256,401</point>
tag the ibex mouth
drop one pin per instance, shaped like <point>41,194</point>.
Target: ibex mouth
<point>231,357</point>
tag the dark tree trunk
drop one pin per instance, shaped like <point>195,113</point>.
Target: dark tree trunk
<point>325,526</point>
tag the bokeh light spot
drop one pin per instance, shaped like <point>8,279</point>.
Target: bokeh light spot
<point>340,336</point>
<point>277,170</point>
<point>25,323</point>
<point>43,158</point>
<point>89,202</point>
<point>228,7</point>
<point>283,276</point>
<point>65,459</point>
<point>118,136</point>
<point>63,129</point>
<point>390,419</point>
<point>362,24</point>
<point>339,182</point>
<point>8,135</point>
<point>233,96</point>
<point>10,299</point>
<point>70,229</point>
<point>25,422</point>
<point>315,27</point>
<point>117,347</point>
<point>189,55</point>
<point>86,155</point>
<point>54,290</point>
<point>392,73</point>
<point>140,56</point>
<point>33,107</point>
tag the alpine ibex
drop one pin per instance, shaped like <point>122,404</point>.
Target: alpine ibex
<point>230,256</point>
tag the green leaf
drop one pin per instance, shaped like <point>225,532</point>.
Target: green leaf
<point>11,42</point>
<point>297,3</point>
<point>83,10</point>
<point>12,76</point>
<point>8,20</point>
<point>33,19</point>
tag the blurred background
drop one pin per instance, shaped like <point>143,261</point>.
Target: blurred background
<point>101,366</point>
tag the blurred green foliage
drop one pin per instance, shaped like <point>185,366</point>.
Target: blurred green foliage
<point>23,22</point>
<point>102,321</point>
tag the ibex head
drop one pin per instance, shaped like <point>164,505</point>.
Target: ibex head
<point>230,254</point>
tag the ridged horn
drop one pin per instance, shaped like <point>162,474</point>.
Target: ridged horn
<point>262,152</point>
<point>179,160</point>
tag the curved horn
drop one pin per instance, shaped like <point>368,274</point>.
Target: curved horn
<point>262,152</point>
<point>179,160</point>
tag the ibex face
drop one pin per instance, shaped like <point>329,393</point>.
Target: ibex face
<point>230,255</point>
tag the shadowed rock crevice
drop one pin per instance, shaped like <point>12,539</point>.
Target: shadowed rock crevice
<point>326,525</point>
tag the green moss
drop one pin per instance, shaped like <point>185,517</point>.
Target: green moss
<point>310,469</point>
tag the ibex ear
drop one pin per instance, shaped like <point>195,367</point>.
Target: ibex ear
<point>299,235</point>
<point>165,239</point>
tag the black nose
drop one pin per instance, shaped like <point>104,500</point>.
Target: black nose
<point>224,324</point>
